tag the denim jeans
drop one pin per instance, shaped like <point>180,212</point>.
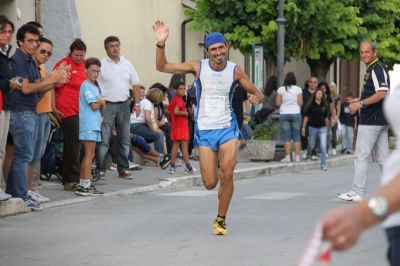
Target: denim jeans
<point>4,125</point>
<point>167,133</point>
<point>247,132</point>
<point>118,115</point>
<point>42,137</point>
<point>305,145</point>
<point>149,135</point>
<point>347,134</point>
<point>321,133</point>
<point>290,124</point>
<point>393,235</point>
<point>368,138</point>
<point>23,127</point>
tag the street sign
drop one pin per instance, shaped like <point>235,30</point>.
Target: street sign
<point>258,69</point>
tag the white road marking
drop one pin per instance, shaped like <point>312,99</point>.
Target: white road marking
<point>190,193</point>
<point>275,196</point>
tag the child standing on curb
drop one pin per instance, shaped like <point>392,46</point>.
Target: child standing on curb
<point>179,129</point>
<point>348,123</point>
<point>90,103</point>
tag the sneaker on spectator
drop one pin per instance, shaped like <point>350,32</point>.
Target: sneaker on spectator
<point>38,197</point>
<point>350,196</point>
<point>125,175</point>
<point>357,199</point>
<point>314,158</point>
<point>286,159</point>
<point>165,161</point>
<point>134,166</point>
<point>333,151</point>
<point>90,191</point>
<point>193,171</point>
<point>304,155</point>
<point>324,167</point>
<point>172,170</point>
<point>113,167</point>
<point>32,204</point>
<point>4,196</point>
<point>178,162</point>
<point>102,174</point>
<point>297,159</point>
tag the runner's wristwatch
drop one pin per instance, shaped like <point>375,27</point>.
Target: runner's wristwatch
<point>379,207</point>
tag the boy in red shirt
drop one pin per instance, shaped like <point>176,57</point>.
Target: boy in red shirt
<point>179,129</point>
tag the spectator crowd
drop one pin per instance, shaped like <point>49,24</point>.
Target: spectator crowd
<point>104,112</point>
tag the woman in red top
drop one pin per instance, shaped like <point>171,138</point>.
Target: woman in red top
<point>67,109</point>
<point>179,129</point>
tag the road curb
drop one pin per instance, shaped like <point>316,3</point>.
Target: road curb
<point>267,170</point>
<point>13,206</point>
<point>172,183</point>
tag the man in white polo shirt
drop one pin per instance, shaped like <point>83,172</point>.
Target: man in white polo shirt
<point>117,78</point>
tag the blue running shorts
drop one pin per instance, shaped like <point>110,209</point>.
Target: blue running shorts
<point>216,137</point>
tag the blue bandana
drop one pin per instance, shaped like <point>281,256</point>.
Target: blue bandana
<point>212,38</point>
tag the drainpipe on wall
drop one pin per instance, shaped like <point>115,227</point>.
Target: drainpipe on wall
<point>183,41</point>
<point>38,10</point>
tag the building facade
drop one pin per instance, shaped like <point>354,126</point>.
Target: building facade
<point>131,21</point>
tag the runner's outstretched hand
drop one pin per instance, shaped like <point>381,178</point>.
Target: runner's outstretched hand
<point>162,32</point>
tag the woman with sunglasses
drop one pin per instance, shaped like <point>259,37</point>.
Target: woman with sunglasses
<point>40,57</point>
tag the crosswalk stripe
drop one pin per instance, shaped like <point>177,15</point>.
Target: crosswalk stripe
<point>275,196</point>
<point>190,193</point>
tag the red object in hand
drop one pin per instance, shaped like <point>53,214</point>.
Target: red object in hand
<point>325,256</point>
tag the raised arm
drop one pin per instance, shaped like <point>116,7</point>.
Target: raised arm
<point>256,96</point>
<point>162,31</point>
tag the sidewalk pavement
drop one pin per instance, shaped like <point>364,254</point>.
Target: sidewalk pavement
<point>153,178</point>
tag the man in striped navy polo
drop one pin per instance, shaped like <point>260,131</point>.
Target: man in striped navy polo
<point>373,129</point>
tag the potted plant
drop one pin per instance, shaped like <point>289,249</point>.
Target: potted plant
<point>262,146</point>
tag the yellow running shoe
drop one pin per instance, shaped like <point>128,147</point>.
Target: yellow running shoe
<point>220,226</point>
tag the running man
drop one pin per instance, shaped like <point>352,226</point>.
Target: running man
<point>216,129</point>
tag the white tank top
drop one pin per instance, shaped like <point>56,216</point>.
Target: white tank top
<point>391,168</point>
<point>216,91</point>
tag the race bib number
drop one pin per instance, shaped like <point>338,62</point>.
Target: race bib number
<point>215,106</point>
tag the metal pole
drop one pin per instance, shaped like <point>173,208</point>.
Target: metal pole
<point>280,42</point>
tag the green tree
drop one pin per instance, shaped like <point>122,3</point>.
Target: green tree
<point>244,23</point>
<point>327,30</point>
<point>318,31</point>
<point>381,19</point>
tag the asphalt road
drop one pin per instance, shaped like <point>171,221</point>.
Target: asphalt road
<point>270,221</point>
